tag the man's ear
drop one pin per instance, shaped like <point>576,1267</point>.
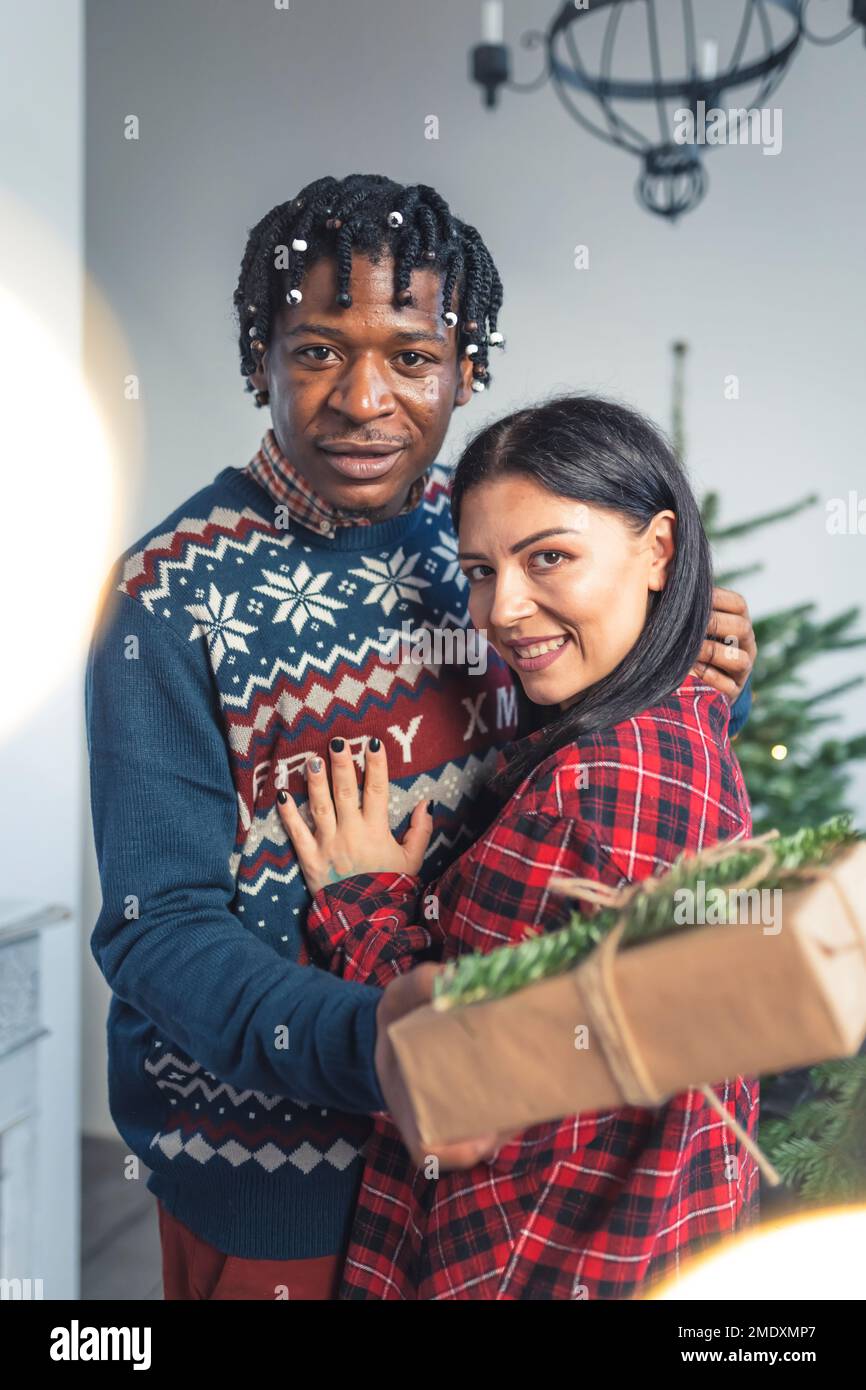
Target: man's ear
<point>259,377</point>
<point>463,393</point>
<point>663,547</point>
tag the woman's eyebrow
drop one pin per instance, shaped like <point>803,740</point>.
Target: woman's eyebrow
<point>536,536</point>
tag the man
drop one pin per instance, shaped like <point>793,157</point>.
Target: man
<point>246,631</point>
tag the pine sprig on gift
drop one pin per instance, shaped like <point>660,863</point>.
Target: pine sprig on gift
<point>650,914</point>
<point>508,968</point>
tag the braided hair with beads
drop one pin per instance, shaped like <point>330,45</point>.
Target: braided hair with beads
<point>372,215</point>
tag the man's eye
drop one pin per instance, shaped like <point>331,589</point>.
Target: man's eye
<point>317,347</point>
<point>419,356</point>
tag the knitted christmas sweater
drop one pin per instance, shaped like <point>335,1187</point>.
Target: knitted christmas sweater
<point>237,637</point>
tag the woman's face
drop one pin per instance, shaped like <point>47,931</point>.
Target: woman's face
<point>570,578</point>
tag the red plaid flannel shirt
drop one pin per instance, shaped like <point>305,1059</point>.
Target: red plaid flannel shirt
<point>598,1205</point>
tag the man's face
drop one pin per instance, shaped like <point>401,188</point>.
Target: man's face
<point>375,374</point>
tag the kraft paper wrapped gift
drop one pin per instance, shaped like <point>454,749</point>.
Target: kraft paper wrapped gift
<point>697,1005</point>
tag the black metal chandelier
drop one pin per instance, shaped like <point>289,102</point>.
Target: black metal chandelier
<point>648,112</point>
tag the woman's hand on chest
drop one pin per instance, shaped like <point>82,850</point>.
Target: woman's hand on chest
<point>351,836</point>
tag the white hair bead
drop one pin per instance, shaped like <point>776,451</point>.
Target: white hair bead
<point>496,338</point>
<point>395,219</point>
<point>299,244</point>
<point>451,319</point>
<point>478,386</point>
<point>471,349</point>
<point>294,297</point>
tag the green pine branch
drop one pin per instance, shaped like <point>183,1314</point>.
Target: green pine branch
<point>820,1148</point>
<point>745,528</point>
<point>729,578</point>
<point>834,691</point>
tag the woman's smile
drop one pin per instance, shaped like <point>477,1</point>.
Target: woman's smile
<point>536,656</point>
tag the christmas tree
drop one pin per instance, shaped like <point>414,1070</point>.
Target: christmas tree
<point>813,1122</point>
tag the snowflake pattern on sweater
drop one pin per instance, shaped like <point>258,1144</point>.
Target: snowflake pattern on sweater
<point>290,624</point>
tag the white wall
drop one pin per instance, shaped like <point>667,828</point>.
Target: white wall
<point>241,104</point>
<point>41,767</point>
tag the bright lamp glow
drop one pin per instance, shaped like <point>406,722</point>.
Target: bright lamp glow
<point>817,1256</point>
<point>58,509</point>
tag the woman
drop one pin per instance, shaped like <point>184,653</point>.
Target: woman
<point>590,571</point>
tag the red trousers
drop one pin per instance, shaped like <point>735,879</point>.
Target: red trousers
<point>193,1269</point>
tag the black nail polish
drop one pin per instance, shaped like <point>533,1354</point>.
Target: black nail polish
<point>282,797</point>
<point>375,745</point>
<point>429,808</point>
<point>337,745</point>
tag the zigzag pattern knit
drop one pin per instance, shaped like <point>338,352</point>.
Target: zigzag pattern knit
<point>231,649</point>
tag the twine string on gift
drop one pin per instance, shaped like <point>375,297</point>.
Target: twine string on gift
<point>592,891</point>
<point>621,1049</point>
<point>609,1020</point>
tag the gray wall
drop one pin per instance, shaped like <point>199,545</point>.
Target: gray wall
<point>241,104</point>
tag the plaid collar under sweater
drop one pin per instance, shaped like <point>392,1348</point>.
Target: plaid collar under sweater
<point>281,480</point>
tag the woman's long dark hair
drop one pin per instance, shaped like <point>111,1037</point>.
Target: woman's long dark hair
<point>600,452</point>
